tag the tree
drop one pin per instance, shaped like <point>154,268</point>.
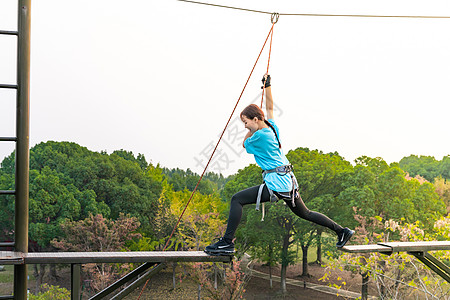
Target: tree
<point>442,187</point>
<point>96,233</point>
<point>7,204</point>
<point>180,180</point>
<point>378,189</point>
<point>426,166</point>
<point>203,219</point>
<point>320,177</point>
<point>399,275</point>
<point>262,239</point>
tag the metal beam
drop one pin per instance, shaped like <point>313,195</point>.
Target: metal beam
<point>8,32</point>
<point>22,145</point>
<point>8,139</point>
<point>75,283</point>
<point>130,276</point>
<point>430,261</point>
<point>141,280</point>
<point>6,244</point>
<point>10,192</point>
<point>8,86</point>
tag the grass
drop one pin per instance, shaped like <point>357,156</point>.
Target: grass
<point>7,275</point>
<point>7,279</point>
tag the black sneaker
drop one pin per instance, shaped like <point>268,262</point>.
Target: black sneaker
<point>344,236</point>
<point>220,248</point>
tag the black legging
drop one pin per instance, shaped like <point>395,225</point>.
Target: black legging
<point>248,196</point>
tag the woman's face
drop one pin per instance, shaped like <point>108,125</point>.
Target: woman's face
<point>250,124</point>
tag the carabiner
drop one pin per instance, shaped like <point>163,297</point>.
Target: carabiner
<point>274,17</point>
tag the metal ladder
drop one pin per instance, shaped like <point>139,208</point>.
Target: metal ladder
<point>21,140</point>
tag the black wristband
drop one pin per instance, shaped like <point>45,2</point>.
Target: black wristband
<point>266,83</point>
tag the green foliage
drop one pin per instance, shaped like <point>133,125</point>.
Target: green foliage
<point>426,166</point>
<point>442,187</point>
<point>399,275</point>
<point>231,280</point>
<point>145,244</point>
<point>68,181</point>
<point>180,180</point>
<point>203,219</point>
<point>51,292</point>
<point>245,178</point>
<point>97,234</point>
<point>320,177</point>
<point>378,189</point>
<point>261,239</point>
<point>7,205</point>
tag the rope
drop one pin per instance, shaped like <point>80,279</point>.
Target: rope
<point>318,15</point>
<point>214,151</point>
<point>268,60</point>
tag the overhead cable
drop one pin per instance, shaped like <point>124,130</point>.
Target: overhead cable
<point>318,15</point>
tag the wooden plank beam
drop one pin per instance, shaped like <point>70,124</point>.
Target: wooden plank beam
<point>11,258</point>
<point>399,247</point>
<point>108,257</point>
<point>366,249</point>
<point>418,246</point>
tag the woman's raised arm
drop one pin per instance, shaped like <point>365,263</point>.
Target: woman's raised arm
<point>269,99</point>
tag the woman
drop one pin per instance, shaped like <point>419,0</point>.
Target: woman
<point>262,140</point>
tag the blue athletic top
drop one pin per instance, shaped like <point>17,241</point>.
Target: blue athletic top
<point>264,146</point>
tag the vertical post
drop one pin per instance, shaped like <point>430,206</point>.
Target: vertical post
<point>75,271</point>
<point>174,266</point>
<point>22,145</point>
<point>215,276</point>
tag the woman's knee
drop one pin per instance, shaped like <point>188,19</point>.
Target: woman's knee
<point>235,199</point>
<point>299,209</point>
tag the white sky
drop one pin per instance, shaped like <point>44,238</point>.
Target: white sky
<point>161,77</point>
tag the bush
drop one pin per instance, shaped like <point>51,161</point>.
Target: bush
<point>50,292</point>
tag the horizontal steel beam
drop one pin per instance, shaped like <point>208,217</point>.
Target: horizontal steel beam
<point>9,32</point>
<point>130,276</point>
<point>434,264</point>
<point>9,297</point>
<point>6,244</point>
<point>8,139</point>
<point>141,280</point>
<point>8,86</point>
<point>10,192</point>
<point>120,257</point>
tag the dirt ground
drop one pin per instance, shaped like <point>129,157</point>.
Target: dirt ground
<point>353,282</point>
<point>257,288</point>
<point>161,285</point>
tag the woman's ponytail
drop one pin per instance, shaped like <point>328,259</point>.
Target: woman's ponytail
<point>276,135</point>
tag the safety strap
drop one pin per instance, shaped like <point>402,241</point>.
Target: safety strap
<point>273,197</point>
<point>281,171</point>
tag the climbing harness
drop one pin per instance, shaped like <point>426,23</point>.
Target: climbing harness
<point>275,196</point>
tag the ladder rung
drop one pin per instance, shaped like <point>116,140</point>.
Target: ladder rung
<point>7,244</point>
<point>8,139</point>
<point>10,192</point>
<point>9,32</point>
<point>8,86</point>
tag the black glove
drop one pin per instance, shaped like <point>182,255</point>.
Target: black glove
<point>266,81</point>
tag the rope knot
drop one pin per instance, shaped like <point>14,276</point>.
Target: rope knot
<point>274,17</point>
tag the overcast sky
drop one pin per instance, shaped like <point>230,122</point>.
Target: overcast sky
<point>161,77</point>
